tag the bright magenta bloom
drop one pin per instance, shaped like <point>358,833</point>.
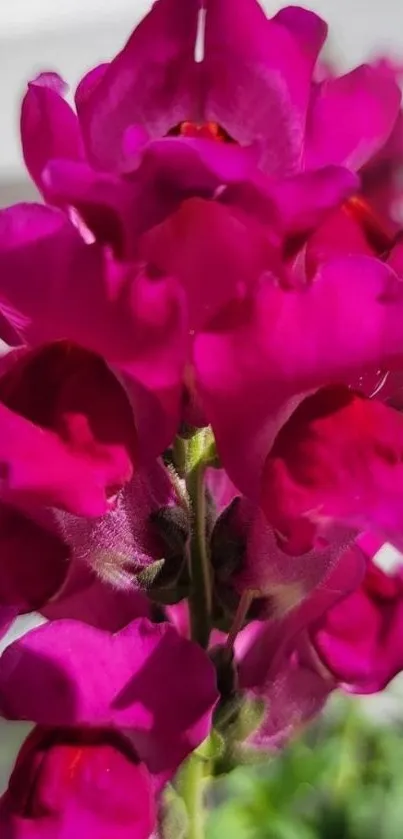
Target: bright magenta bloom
<point>110,682</point>
<point>68,783</point>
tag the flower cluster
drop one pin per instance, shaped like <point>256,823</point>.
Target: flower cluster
<point>201,444</point>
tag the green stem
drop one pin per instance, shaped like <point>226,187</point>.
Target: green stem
<point>239,619</point>
<point>191,788</point>
<point>200,595</point>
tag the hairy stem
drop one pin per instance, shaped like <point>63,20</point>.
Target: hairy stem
<point>199,564</point>
<point>239,619</point>
<point>191,787</point>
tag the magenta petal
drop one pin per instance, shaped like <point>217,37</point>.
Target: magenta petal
<point>197,164</point>
<point>308,29</point>
<point>117,210</point>
<point>88,84</point>
<point>257,81</point>
<point>48,274</point>
<point>294,696</point>
<point>7,332</point>
<point>260,646</point>
<point>151,82</point>
<point>303,200</point>
<point>104,201</point>
<point>34,562</point>
<point>38,468</point>
<point>72,784</point>
<point>237,254</point>
<point>111,681</point>
<point>335,464</point>
<point>296,204</point>
<point>124,542</point>
<point>275,659</point>
<point>286,342</point>
<point>85,597</point>
<point>350,118</point>
<point>7,618</point>
<point>360,638</point>
<point>286,579</point>
<point>135,139</point>
<point>49,126</point>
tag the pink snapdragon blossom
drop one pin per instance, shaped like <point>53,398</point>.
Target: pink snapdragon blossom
<point>85,701</point>
<point>68,428</point>
<point>255,81</point>
<point>74,783</point>
<point>68,445</point>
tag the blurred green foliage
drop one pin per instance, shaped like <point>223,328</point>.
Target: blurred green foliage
<point>343,779</point>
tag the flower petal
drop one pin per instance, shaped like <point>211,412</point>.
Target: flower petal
<point>55,286</point>
<point>88,83</point>
<point>257,359</point>
<point>72,392</point>
<point>350,118</point>
<point>37,468</point>
<point>151,82</point>
<point>296,694</point>
<point>85,597</point>
<point>269,569</point>
<point>71,784</point>
<point>124,543</point>
<point>118,210</point>
<point>34,562</point>
<point>237,254</point>
<point>360,638</point>
<point>260,646</point>
<point>8,615</point>
<point>303,200</point>
<point>275,659</point>
<point>308,29</point>
<point>293,205</point>
<point>336,464</point>
<point>49,277</point>
<point>105,203</point>
<point>110,681</point>
<point>257,81</point>
<point>49,126</point>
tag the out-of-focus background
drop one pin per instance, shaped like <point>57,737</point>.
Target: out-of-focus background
<point>343,778</point>
<point>71,35</point>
